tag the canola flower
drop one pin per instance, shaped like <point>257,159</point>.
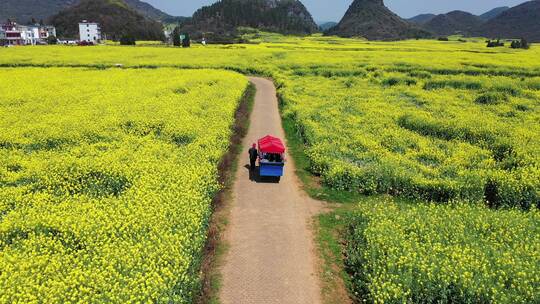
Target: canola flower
<point>429,253</point>
<point>106,181</point>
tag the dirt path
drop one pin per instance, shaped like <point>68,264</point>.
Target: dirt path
<point>271,256</point>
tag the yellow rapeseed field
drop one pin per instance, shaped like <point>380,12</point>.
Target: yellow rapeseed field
<point>426,120</point>
<point>444,254</point>
<point>106,180</point>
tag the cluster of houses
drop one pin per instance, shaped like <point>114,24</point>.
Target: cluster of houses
<point>12,33</point>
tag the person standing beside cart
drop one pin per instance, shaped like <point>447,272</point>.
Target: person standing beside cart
<point>253,154</point>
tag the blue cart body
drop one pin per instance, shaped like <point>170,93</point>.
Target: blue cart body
<point>271,169</point>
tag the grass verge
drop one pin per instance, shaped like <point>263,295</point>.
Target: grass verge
<point>335,282</point>
<point>328,226</point>
<point>216,248</point>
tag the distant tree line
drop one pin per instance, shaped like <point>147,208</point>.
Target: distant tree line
<point>494,43</point>
<point>516,44</point>
<point>127,40</point>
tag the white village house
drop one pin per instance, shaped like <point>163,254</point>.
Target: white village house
<point>89,32</point>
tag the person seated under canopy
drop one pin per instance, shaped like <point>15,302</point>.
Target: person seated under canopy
<point>271,157</point>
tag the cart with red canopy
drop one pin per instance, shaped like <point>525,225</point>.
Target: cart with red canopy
<point>271,156</point>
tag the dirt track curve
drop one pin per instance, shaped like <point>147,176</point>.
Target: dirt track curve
<point>271,256</point>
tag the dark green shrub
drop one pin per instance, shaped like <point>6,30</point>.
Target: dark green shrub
<point>349,82</point>
<point>524,44</point>
<point>176,37</point>
<point>491,98</point>
<point>93,183</point>
<point>429,126</point>
<point>510,190</point>
<point>100,184</point>
<point>389,82</point>
<point>52,40</point>
<point>186,42</point>
<point>523,107</point>
<point>420,74</point>
<point>455,84</point>
<point>533,85</point>
<point>127,40</point>
<point>182,139</point>
<point>497,43</point>
<point>508,89</point>
<point>393,81</point>
<point>520,44</point>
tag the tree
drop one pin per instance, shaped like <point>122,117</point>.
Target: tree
<point>186,42</point>
<point>524,44</point>
<point>52,40</point>
<point>176,36</point>
<point>514,44</point>
<point>521,44</point>
<point>127,40</point>
<point>496,43</point>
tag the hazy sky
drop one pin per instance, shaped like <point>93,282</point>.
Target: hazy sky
<point>333,10</point>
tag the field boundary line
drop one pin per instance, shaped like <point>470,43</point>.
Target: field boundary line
<point>215,246</point>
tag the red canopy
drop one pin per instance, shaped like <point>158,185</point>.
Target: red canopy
<point>270,144</point>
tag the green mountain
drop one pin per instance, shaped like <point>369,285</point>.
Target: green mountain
<point>372,20</point>
<point>522,21</point>
<point>23,11</point>
<point>455,22</point>
<point>115,17</point>
<point>220,21</point>
<point>422,18</point>
<point>493,13</point>
<point>148,10</point>
<point>324,26</point>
